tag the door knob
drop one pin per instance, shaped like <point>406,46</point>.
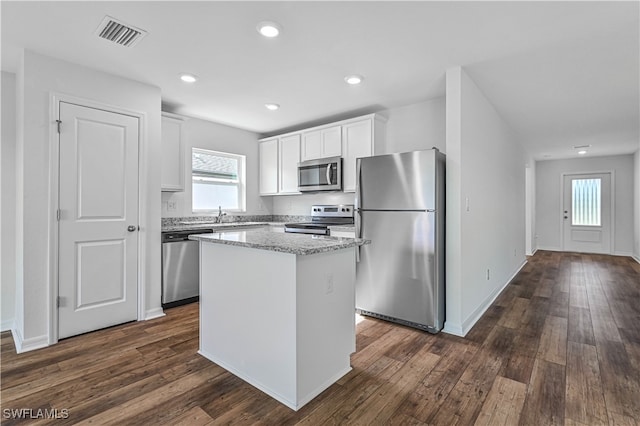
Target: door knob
<point>131,228</point>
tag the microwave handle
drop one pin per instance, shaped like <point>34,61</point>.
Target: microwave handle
<point>329,174</point>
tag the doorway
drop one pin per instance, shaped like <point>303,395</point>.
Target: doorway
<point>587,214</point>
<point>97,218</point>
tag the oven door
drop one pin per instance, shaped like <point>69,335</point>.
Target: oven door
<point>306,228</point>
<point>324,174</point>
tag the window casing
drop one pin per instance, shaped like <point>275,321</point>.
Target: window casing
<point>218,180</point>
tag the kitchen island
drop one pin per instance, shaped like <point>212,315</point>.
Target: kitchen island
<point>277,309</point>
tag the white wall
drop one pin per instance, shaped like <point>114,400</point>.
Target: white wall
<point>636,210</point>
<point>486,172</point>
<point>530,207</point>
<point>549,203</point>
<point>8,214</point>
<point>414,127</point>
<point>39,76</point>
<point>218,137</point>
<point>408,128</point>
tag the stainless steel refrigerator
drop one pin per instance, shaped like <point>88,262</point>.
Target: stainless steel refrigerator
<point>399,206</point>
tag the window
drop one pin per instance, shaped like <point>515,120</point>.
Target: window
<point>585,199</point>
<point>218,180</point>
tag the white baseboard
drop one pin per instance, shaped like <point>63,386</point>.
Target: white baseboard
<point>6,325</point>
<point>31,344</point>
<point>549,248</point>
<point>454,329</point>
<point>153,314</point>
<point>468,324</point>
<point>636,258</point>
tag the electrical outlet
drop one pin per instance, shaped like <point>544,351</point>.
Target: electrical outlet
<point>466,202</point>
<point>329,284</point>
<point>488,274</point>
<point>172,206</point>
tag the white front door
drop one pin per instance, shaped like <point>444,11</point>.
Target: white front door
<point>587,213</point>
<point>98,227</point>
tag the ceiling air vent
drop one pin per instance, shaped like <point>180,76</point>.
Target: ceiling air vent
<point>120,33</point>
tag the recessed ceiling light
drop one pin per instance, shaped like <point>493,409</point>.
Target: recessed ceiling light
<point>354,79</point>
<point>188,78</point>
<point>583,152</point>
<point>272,107</point>
<point>268,29</point>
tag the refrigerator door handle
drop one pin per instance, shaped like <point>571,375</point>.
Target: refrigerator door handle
<point>358,232</point>
<point>356,201</point>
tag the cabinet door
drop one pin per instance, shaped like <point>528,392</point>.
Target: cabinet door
<point>357,142</point>
<point>289,157</point>
<point>331,142</point>
<point>172,154</point>
<point>269,167</point>
<point>310,146</point>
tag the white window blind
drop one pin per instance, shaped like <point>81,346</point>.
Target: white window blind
<point>586,202</point>
<point>217,181</point>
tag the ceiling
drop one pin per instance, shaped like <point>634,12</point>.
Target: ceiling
<point>560,73</point>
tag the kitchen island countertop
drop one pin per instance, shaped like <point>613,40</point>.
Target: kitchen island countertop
<point>298,244</point>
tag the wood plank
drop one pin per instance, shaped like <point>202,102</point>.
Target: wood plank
<point>514,314</point>
<point>544,403</point>
<point>580,328</point>
<point>584,395</point>
<point>620,380</point>
<point>380,406</point>
<point>553,342</point>
<point>503,404</point>
<point>149,372</point>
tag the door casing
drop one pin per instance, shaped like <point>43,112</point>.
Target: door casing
<point>611,207</point>
<point>54,167</point>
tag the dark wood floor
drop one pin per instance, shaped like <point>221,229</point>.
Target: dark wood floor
<point>561,345</point>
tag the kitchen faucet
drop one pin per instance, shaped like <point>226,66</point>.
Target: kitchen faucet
<point>221,214</point>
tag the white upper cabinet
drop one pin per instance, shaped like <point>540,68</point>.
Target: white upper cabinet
<point>289,157</point>
<point>359,138</point>
<point>268,151</point>
<point>349,139</point>
<point>321,143</point>
<point>357,142</point>
<point>172,153</point>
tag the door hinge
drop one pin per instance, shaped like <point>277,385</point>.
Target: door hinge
<point>58,215</point>
<point>59,122</point>
<point>60,301</point>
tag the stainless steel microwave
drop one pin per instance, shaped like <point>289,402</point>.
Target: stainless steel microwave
<point>324,174</point>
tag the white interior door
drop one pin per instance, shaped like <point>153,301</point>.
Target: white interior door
<point>587,213</point>
<point>98,226</point>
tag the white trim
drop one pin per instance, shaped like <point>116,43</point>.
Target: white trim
<point>27,345</point>
<point>468,324</point>
<point>472,319</point>
<point>549,248</point>
<point>154,313</point>
<point>612,212</point>
<point>7,325</point>
<point>453,329</point>
<point>636,258</point>
<point>54,164</point>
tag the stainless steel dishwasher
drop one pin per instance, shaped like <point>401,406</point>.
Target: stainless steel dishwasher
<point>180,267</point>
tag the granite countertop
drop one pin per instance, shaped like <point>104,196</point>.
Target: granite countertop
<point>299,244</point>
<point>188,226</point>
